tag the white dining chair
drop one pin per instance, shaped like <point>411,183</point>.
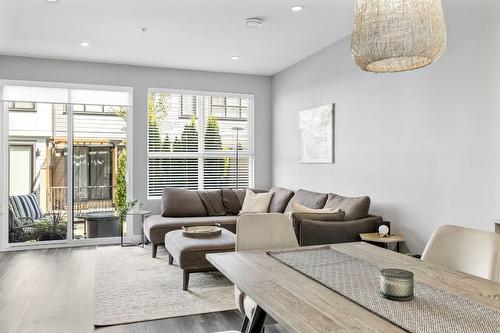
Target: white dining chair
<point>260,232</point>
<point>466,250</point>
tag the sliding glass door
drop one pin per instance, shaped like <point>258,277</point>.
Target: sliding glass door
<point>99,140</point>
<point>66,166</point>
<point>37,183</point>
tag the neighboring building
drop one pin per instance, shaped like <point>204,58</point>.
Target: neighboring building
<point>38,142</point>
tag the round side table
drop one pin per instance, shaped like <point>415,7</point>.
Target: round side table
<point>143,214</point>
<point>374,237</point>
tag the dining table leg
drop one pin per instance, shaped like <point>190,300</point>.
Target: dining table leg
<point>257,322</point>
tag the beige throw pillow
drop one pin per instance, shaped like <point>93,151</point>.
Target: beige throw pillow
<point>298,208</point>
<point>256,203</point>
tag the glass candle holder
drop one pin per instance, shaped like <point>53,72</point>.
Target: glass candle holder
<point>396,284</point>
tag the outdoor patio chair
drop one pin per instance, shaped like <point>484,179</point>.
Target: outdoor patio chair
<point>24,216</point>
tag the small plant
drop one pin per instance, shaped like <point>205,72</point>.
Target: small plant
<point>125,209</point>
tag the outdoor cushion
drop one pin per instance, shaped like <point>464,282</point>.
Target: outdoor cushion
<point>156,226</point>
<point>178,202</point>
<point>354,208</point>
<point>309,199</point>
<point>25,205</point>
<point>280,199</point>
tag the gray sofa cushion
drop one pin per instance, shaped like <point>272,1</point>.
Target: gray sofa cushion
<point>212,200</point>
<point>297,218</point>
<point>280,199</point>
<point>156,226</point>
<point>309,199</point>
<point>178,202</point>
<point>354,208</point>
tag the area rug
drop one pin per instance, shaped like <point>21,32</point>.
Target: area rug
<point>130,286</point>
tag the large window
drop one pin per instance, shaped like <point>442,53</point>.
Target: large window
<point>198,141</point>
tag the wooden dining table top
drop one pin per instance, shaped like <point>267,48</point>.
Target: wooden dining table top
<point>301,304</point>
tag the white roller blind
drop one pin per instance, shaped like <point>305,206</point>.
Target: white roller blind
<point>35,94</point>
<point>55,95</point>
<point>192,142</point>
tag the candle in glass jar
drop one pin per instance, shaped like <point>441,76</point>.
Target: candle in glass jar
<point>396,284</point>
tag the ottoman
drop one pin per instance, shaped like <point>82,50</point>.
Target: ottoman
<point>189,253</point>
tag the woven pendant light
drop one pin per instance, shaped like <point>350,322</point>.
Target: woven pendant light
<point>398,35</point>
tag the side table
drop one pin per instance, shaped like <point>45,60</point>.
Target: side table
<point>374,237</point>
<point>143,214</point>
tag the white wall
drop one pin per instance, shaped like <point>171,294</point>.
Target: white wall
<point>424,145</point>
<point>142,78</point>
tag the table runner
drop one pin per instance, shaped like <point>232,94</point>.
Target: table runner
<point>432,310</point>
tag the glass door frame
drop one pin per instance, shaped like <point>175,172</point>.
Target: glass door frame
<point>4,168</point>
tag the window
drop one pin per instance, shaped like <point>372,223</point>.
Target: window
<point>96,109</point>
<point>229,107</point>
<point>92,172</point>
<point>21,169</point>
<point>198,141</point>
<point>22,106</point>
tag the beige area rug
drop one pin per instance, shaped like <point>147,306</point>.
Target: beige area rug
<point>130,286</point>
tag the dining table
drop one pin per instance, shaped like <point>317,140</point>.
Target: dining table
<point>301,304</point>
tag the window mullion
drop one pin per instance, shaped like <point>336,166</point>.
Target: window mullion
<point>200,106</point>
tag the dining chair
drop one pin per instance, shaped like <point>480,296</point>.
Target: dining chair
<point>260,232</point>
<point>467,250</point>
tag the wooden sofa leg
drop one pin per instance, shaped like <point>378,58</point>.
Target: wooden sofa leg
<point>185,280</point>
<point>153,250</point>
<point>170,259</point>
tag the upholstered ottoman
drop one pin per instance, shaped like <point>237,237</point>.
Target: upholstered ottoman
<point>189,253</point>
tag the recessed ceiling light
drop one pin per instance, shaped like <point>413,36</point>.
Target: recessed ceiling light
<point>235,57</point>
<point>297,8</point>
<point>253,22</point>
<point>85,44</point>
<point>52,1</point>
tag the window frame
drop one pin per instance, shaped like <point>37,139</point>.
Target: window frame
<point>202,153</point>
<point>18,109</point>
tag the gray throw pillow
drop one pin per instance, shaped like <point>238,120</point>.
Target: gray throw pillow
<point>178,202</point>
<point>212,200</point>
<point>354,208</point>
<point>231,201</point>
<point>280,199</point>
<point>309,199</point>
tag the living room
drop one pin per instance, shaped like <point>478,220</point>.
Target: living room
<point>161,158</point>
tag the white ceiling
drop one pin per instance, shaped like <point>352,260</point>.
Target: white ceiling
<point>193,34</point>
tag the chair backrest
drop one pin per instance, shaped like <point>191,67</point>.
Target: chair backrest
<point>25,205</point>
<point>264,231</point>
<point>467,250</point>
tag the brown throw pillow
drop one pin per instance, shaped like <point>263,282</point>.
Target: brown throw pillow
<point>212,200</point>
<point>231,202</point>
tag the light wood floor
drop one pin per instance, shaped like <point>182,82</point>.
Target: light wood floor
<point>52,291</point>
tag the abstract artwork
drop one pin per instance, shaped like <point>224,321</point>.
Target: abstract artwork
<point>316,130</point>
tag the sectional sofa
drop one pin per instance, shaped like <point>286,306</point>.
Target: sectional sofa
<point>185,208</point>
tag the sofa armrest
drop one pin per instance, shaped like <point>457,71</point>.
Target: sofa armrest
<point>321,232</point>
